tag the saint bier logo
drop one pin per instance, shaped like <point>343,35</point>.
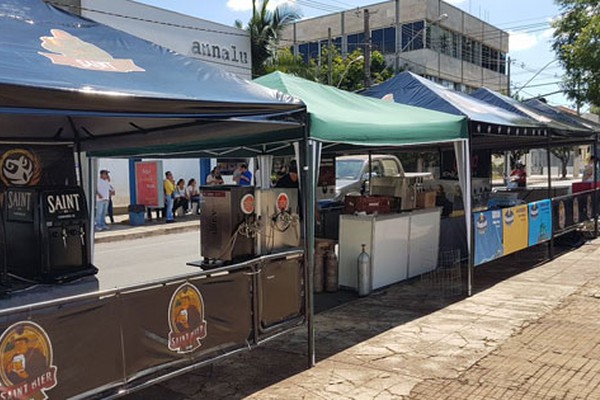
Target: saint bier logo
<point>20,167</point>
<point>186,319</point>
<point>26,371</point>
<point>71,51</point>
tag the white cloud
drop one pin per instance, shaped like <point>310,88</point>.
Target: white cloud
<point>519,41</point>
<point>246,5</point>
<point>547,34</point>
<point>239,5</point>
<point>455,2</point>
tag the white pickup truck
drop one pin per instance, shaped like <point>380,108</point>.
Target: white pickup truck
<point>352,172</point>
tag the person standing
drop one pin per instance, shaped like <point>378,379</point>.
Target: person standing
<point>588,171</point>
<point>103,189</point>
<point>245,176</point>
<point>289,180</point>
<point>111,215</point>
<point>169,189</point>
<point>214,178</point>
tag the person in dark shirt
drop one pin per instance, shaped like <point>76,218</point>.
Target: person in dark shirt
<point>289,180</point>
<point>245,176</point>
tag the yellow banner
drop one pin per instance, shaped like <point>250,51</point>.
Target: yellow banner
<point>516,228</point>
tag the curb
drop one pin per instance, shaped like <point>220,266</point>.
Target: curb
<point>148,232</point>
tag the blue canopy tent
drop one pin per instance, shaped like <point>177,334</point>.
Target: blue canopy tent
<point>489,126</point>
<point>562,116</point>
<point>67,78</point>
<point>560,127</point>
<point>484,119</point>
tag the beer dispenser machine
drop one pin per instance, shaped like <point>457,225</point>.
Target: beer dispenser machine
<point>47,234</point>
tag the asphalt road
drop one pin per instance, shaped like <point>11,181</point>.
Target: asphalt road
<point>144,260</point>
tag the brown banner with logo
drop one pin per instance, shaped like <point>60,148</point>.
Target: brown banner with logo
<point>60,352</point>
<point>31,165</point>
<point>192,319</point>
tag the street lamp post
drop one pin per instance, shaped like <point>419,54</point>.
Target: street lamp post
<point>347,68</point>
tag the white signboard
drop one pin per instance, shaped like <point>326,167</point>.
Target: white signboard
<point>225,46</point>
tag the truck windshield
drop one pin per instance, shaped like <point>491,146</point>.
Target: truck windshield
<point>348,169</point>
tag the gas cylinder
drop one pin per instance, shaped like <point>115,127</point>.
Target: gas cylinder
<point>364,273</point>
<point>318,278</point>
<point>331,270</point>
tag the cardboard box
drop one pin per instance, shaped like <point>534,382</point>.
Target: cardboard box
<point>426,199</point>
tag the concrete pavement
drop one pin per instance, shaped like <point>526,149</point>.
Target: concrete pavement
<point>121,230</point>
<point>529,332</point>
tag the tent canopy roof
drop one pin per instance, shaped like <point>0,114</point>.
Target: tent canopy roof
<point>512,105</point>
<point>562,116</point>
<point>338,116</point>
<point>408,88</point>
<point>67,78</point>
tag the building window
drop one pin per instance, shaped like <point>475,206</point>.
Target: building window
<point>502,63</point>
<point>384,40</point>
<point>303,50</point>
<point>486,57</point>
<point>455,51</point>
<point>412,35</point>
<point>356,41</point>
<point>309,51</point>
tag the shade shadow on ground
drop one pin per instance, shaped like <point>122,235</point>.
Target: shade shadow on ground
<point>343,321</point>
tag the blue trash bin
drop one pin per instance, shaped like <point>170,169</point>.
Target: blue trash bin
<point>137,214</point>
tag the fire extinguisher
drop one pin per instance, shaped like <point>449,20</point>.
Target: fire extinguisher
<point>364,273</point>
<point>331,268</point>
<point>318,278</point>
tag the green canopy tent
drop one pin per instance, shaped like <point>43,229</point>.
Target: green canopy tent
<point>344,118</point>
<point>340,120</point>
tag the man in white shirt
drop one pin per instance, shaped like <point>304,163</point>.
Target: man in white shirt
<point>103,192</point>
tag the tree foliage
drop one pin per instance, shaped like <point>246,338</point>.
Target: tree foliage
<point>577,45</point>
<point>265,29</point>
<point>564,155</point>
<point>347,73</point>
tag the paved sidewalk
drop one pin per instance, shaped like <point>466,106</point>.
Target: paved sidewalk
<point>121,230</point>
<point>531,334</point>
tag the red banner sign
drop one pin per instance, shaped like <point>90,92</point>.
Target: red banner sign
<point>148,183</point>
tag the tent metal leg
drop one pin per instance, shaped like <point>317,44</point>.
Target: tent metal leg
<point>548,160</point>
<point>309,168</point>
<point>595,195</point>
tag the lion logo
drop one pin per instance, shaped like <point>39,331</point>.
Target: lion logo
<point>26,371</point>
<point>73,52</point>
<point>20,167</point>
<point>186,319</point>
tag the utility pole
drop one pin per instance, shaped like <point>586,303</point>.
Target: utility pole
<point>398,37</point>
<point>367,35</point>
<point>508,76</point>
<point>329,58</point>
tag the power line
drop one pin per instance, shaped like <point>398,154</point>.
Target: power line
<point>195,28</point>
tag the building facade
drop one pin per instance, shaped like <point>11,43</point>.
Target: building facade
<point>429,37</point>
<point>224,46</point>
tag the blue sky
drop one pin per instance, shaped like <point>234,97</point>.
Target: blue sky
<point>527,21</point>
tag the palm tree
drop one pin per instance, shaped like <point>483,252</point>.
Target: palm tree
<point>265,29</point>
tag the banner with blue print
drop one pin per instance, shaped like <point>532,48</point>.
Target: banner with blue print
<point>488,236</point>
<point>540,221</point>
